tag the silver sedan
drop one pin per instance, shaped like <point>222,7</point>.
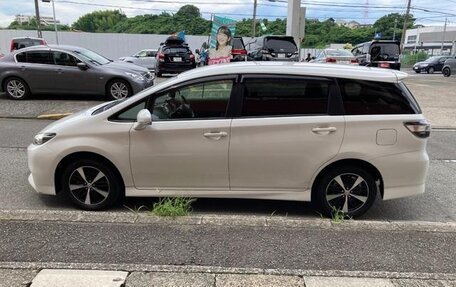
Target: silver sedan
<point>144,58</point>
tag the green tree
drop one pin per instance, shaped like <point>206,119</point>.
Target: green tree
<point>385,25</point>
<point>32,25</point>
<point>99,21</point>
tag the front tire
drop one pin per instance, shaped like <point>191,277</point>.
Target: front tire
<point>118,89</point>
<point>349,189</point>
<point>16,89</point>
<point>92,185</point>
<point>446,72</point>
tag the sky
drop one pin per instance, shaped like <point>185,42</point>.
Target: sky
<point>427,12</point>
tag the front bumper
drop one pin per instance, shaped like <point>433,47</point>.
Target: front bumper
<point>42,169</point>
<point>138,86</point>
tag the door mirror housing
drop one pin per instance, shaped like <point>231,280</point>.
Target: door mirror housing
<point>143,119</point>
<point>82,66</point>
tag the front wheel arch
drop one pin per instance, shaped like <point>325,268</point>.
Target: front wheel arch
<point>78,156</point>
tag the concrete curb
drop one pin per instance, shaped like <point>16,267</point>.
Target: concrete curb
<point>226,270</point>
<point>223,220</point>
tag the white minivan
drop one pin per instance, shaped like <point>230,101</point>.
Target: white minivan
<point>334,135</point>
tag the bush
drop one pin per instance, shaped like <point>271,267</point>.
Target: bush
<point>173,206</point>
<point>409,59</point>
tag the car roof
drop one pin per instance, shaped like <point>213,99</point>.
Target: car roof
<point>24,38</point>
<point>299,69</point>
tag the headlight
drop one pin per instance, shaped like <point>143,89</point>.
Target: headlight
<point>43,138</point>
<point>135,76</point>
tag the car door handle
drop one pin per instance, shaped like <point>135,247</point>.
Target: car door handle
<point>60,71</point>
<point>215,135</point>
<point>23,68</point>
<point>324,131</point>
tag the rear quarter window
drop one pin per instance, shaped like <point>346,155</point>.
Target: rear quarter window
<point>376,98</point>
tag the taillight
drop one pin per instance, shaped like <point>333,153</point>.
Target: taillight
<point>354,61</point>
<point>421,129</point>
<point>331,60</point>
<point>192,56</point>
<point>12,46</point>
<point>161,57</point>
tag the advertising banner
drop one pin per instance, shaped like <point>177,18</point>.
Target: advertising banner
<point>222,33</point>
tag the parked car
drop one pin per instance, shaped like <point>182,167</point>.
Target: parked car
<point>449,67</point>
<point>273,48</point>
<point>24,42</point>
<point>378,53</point>
<point>331,134</point>
<point>431,65</point>
<point>174,56</point>
<point>69,70</point>
<point>335,56</point>
<point>145,58</point>
<point>238,52</point>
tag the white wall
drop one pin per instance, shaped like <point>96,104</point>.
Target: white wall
<point>111,45</point>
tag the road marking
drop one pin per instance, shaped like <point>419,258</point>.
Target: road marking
<point>450,160</point>
<point>53,116</point>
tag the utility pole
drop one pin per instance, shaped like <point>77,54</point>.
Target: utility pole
<point>38,20</point>
<point>443,38</point>
<point>55,20</point>
<point>404,28</point>
<point>254,18</point>
<point>394,30</point>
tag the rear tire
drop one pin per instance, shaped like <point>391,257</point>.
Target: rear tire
<point>91,184</point>
<point>446,72</point>
<point>347,189</point>
<point>16,89</point>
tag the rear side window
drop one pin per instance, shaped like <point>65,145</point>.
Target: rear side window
<point>281,44</point>
<point>21,57</point>
<point>376,98</point>
<point>285,97</point>
<point>39,57</point>
<point>238,43</point>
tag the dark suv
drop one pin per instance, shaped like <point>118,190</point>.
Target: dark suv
<point>238,51</point>
<point>431,65</point>
<point>174,56</point>
<point>378,53</point>
<point>273,48</point>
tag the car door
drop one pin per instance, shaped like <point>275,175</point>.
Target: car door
<point>186,147</point>
<point>285,133</point>
<point>69,78</point>
<point>37,71</point>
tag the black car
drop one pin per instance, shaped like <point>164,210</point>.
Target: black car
<point>378,53</point>
<point>431,65</point>
<point>273,48</point>
<point>238,51</point>
<point>174,56</point>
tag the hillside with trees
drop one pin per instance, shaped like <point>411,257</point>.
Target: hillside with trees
<point>189,19</point>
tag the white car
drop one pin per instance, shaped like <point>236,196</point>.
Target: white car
<point>334,135</point>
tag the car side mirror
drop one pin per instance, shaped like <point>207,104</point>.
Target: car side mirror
<point>82,66</point>
<point>143,119</point>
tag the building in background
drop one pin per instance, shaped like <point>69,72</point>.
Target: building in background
<point>27,18</point>
<point>429,39</point>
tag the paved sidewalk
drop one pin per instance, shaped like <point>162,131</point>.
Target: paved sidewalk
<point>89,278</point>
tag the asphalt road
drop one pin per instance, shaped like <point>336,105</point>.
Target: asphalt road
<point>437,204</point>
<point>229,246</point>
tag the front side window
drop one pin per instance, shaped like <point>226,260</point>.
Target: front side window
<point>39,57</point>
<point>285,97</point>
<point>197,101</point>
<point>374,98</point>
<point>64,59</point>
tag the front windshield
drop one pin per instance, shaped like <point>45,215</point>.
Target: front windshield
<point>92,57</point>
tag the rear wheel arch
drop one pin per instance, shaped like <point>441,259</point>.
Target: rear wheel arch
<point>349,162</point>
<point>63,164</point>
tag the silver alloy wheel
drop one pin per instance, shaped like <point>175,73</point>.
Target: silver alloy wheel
<point>89,185</point>
<point>15,89</point>
<point>347,192</point>
<point>119,90</point>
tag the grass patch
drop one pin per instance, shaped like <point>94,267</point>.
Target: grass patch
<point>173,206</point>
<point>337,216</point>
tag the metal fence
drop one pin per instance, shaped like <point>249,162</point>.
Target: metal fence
<point>111,45</point>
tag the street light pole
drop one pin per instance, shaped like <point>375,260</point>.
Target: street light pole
<point>443,38</point>
<point>404,28</point>
<point>55,20</point>
<point>394,30</point>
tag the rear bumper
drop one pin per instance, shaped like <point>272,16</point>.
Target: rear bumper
<point>175,68</point>
<point>403,174</point>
